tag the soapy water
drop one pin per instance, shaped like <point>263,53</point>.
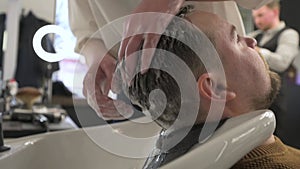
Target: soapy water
<point>112,35</point>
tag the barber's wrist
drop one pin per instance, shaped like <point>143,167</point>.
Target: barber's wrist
<point>93,50</point>
<point>264,52</point>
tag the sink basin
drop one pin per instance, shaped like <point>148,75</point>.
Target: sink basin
<point>126,145</point>
<point>78,149</point>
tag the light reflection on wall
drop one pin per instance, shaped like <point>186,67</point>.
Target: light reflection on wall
<point>73,64</point>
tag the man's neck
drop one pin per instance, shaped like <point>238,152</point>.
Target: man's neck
<point>275,24</point>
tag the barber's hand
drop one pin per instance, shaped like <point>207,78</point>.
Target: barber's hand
<point>259,51</point>
<point>257,48</point>
<point>145,29</point>
<point>96,86</point>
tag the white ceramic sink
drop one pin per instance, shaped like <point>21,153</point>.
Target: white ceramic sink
<point>73,149</point>
<point>103,148</point>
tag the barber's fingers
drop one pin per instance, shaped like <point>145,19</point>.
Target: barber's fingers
<point>132,36</point>
<point>116,82</point>
<point>150,42</point>
<point>107,108</point>
<point>91,82</point>
<point>121,111</point>
<point>122,49</point>
<point>97,83</point>
<point>130,62</point>
<point>112,109</point>
<point>95,75</point>
<point>108,66</point>
<point>97,80</point>
<point>149,46</point>
<point>92,88</point>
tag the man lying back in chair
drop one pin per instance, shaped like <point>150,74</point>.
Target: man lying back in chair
<point>249,86</point>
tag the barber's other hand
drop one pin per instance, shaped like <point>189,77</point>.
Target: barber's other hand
<point>145,29</point>
<point>257,48</point>
<point>96,86</point>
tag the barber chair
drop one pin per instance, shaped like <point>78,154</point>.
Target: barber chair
<point>234,139</point>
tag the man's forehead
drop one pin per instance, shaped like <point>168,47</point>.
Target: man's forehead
<point>204,19</point>
<point>202,13</point>
<point>261,10</point>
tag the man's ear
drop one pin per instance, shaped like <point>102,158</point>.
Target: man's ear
<point>276,12</point>
<point>211,90</point>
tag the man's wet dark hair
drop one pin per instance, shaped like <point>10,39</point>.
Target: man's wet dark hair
<point>143,84</point>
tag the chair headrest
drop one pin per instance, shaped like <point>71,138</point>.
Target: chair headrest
<point>234,139</point>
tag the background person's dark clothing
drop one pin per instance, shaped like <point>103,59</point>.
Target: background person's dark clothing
<point>279,106</point>
<point>30,68</point>
<point>2,28</point>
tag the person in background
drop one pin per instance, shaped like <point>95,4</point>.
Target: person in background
<point>87,17</point>
<point>278,44</point>
<point>240,61</point>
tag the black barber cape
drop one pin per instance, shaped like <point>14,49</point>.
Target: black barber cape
<point>161,155</point>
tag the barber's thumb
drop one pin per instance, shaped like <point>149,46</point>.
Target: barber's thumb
<point>116,82</point>
<point>147,56</point>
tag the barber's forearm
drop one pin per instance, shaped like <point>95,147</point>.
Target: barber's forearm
<point>285,52</point>
<point>280,60</point>
<point>165,6</point>
<point>93,50</point>
<point>82,22</point>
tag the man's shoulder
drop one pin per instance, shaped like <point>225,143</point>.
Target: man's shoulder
<point>289,30</point>
<point>289,33</point>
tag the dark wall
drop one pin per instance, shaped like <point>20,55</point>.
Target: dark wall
<point>290,13</point>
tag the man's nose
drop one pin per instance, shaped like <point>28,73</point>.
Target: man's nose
<point>251,42</point>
